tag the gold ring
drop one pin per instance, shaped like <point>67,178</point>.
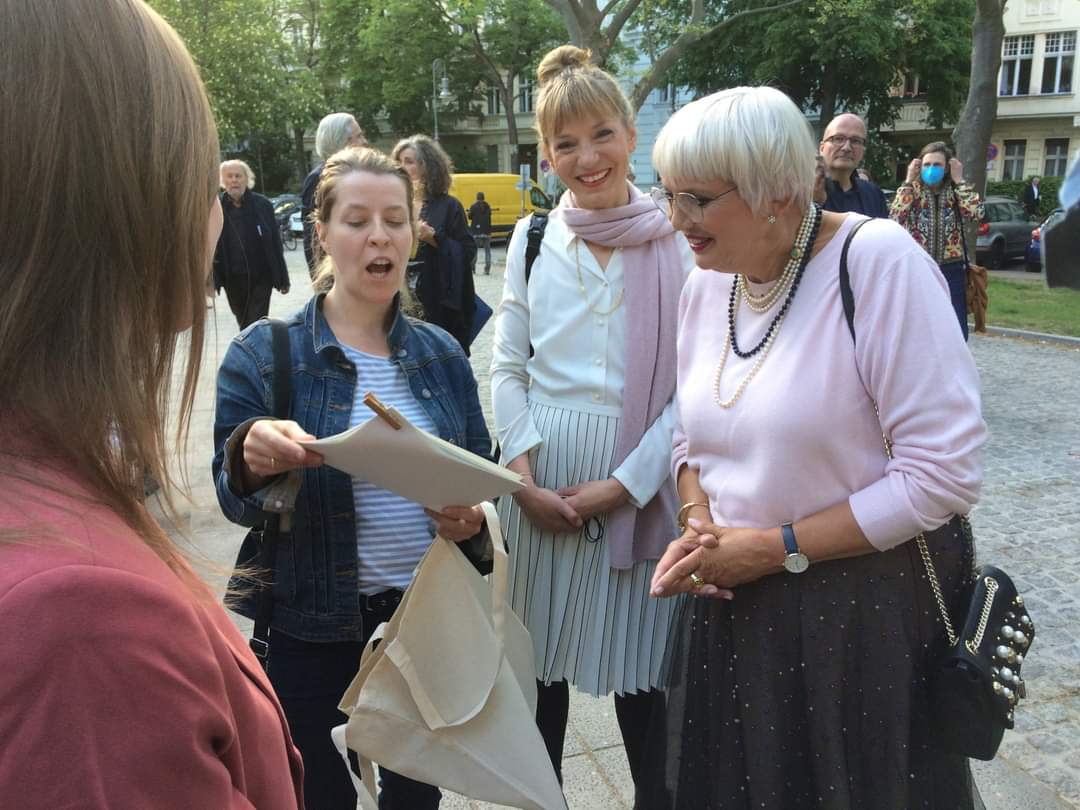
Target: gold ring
<point>696,581</point>
<point>273,463</point>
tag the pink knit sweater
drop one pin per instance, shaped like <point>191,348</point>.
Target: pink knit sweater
<point>804,435</point>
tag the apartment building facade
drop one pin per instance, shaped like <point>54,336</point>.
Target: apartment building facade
<point>1037,128</point>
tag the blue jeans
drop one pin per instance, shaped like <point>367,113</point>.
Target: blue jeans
<point>310,678</point>
<point>956,275</point>
<point>483,240</point>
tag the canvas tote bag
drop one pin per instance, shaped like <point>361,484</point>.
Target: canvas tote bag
<point>446,691</point>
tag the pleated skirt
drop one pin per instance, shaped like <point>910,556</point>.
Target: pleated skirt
<point>592,625</point>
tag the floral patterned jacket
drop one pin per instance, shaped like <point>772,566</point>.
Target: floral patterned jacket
<point>930,217</point>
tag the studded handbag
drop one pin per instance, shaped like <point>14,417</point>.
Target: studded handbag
<point>975,685</point>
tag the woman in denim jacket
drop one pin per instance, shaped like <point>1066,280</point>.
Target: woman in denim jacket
<point>352,547</point>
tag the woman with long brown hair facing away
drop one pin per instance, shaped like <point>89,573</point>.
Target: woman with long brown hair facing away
<point>583,375</point>
<point>126,684</point>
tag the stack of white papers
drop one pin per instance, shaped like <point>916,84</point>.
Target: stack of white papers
<point>414,464</point>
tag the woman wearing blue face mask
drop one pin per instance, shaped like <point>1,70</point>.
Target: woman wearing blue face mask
<point>933,204</point>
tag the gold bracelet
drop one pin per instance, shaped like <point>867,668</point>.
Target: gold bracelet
<point>680,517</point>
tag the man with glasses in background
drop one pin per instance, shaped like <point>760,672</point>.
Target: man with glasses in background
<point>843,147</point>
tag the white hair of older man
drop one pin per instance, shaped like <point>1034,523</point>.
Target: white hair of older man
<point>239,164</point>
<point>753,137</point>
<point>333,134</point>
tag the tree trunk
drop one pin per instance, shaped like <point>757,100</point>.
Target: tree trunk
<point>972,133</point>
<point>830,86</point>
<point>299,155</point>
<point>506,91</point>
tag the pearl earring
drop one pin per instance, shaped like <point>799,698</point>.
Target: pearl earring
<point>771,219</point>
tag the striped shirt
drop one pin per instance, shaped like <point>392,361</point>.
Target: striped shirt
<point>392,533</point>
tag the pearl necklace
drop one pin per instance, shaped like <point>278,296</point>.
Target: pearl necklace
<point>585,292</point>
<point>764,302</point>
<point>807,237</point>
<point>814,214</point>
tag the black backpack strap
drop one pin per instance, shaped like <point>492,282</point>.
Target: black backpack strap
<point>537,226</point>
<point>264,606</point>
<point>847,297</point>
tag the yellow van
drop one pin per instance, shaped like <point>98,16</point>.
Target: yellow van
<point>508,203</point>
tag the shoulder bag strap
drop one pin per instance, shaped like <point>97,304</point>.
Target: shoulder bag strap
<point>537,226</point>
<point>264,606</point>
<point>848,299</point>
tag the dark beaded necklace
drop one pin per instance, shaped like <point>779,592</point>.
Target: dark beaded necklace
<point>803,261</point>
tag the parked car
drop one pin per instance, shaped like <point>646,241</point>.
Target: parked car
<point>284,205</point>
<point>1033,257</point>
<point>1004,232</point>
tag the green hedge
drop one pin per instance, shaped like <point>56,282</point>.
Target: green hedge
<point>1014,189</point>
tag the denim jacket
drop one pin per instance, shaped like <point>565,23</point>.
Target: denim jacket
<point>316,587</point>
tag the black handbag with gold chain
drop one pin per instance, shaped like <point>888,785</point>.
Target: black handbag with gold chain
<point>975,685</point>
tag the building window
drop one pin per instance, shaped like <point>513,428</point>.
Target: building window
<point>493,157</point>
<point>1057,155</point>
<point>663,93</point>
<point>525,95</point>
<point>914,86</point>
<point>1058,62</point>
<point>494,102</point>
<point>1042,8</point>
<point>1016,65</point>
<point>1014,160</point>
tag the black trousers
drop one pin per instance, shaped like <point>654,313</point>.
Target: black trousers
<point>310,678</point>
<point>248,301</point>
<point>637,714</point>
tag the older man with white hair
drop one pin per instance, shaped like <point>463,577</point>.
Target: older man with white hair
<point>336,131</point>
<point>843,146</point>
<point>248,261</point>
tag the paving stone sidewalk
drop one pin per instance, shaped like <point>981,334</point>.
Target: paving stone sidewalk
<point>1026,523</point>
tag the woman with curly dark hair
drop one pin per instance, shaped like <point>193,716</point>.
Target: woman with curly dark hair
<point>446,251</point>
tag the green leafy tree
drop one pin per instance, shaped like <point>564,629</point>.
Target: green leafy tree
<point>831,54</point>
<point>380,53</point>
<point>598,28</point>
<point>508,38</point>
<point>234,43</point>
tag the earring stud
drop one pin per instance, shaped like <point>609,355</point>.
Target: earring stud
<point>771,219</point>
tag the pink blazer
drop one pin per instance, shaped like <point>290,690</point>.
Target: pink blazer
<point>118,688</point>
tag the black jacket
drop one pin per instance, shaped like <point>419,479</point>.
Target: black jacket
<point>445,284</point>
<point>307,206</point>
<point>1031,202</point>
<point>269,237</point>
<point>863,198</point>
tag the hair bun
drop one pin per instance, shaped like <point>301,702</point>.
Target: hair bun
<point>563,58</point>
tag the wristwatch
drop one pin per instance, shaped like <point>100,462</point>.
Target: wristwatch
<point>795,562</point>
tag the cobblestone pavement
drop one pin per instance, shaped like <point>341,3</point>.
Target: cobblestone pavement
<point>1026,523</point>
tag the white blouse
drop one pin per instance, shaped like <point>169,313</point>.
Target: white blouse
<point>580,349</point>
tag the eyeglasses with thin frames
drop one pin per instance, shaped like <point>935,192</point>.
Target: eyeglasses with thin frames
<point>840,140</point>
<point>689,205</point>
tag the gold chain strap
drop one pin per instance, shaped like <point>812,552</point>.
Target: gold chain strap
<point>931,572</point>
<point>973,644</point>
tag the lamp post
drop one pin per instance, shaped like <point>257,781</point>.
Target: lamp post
<point>438,95</point>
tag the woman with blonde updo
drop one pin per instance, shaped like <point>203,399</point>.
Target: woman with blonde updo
<point>583,409</point>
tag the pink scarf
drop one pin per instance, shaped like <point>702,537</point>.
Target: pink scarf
<point>653,280</point>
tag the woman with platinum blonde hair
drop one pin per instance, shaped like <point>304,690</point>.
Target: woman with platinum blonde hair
<point>127,684</point>
<point>799,672</point>
<point>582,377</point>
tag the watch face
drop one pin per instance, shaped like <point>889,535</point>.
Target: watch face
<point>796,563</point>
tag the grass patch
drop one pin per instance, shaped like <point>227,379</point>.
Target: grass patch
<point>1034,307</point>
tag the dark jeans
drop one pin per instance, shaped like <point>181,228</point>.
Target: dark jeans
<point>483,240</point>
<point>248,302</point>
<point>310,678</point>
<point>636,713</point>
<point>956,275</point>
